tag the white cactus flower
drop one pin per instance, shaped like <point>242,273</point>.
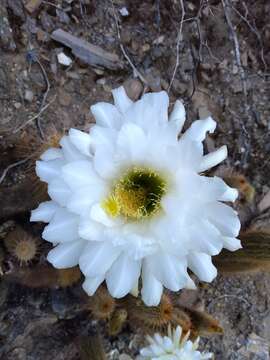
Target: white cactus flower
<point>129,199</point>
<point>171,347</point>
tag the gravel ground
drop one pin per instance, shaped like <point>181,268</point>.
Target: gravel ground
<point>215,56</point>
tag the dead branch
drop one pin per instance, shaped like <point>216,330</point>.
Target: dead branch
<point>254,30</point>
<point>48,87</point>
<point>135,70</point>
<point>11,166</point>
<point>34,117</point>
<point>226,6</point>
<point>179,38</point>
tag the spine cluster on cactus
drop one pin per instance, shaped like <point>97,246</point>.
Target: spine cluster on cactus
<point>240,182</point>
<point>22,245</point>
<point>117,321</point>
<point>44,276</point>
<point>101,304</point>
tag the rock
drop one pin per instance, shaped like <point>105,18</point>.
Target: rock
<point>32,5</point>
<point>28,95</point>
<point>133,88</point>
<point>124,11</point>
<point>87,52</point>
<point>17,105</point>
<point>64,59</point>
<point>265,202</point>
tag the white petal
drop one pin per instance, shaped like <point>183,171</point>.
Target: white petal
<point>52,154</point>
<point>62,228</point>
<point>82,199</point>
<point>199,128</point>
<point>59,191</point>
<point>122,276</point>
<point>99,215</point>
<point>106,115</point>
<point>91,284</point>
<point>152,289</point>
<point>169,270</point>
<point>104,164</point>
<point>189,154</point>
<point>206,238</point>
<point>49,170</point>
<point>79,174</point>
<point>214,158</point>
<point>151,109</point>
<point>98,258</point>
<point>231,194</point>
<point>103,137</point>
<point>121,100</point>
<point>214,188</point>
<point>66,255</point>
<point>224,218</point>
<point>81,140</point>
<point>71,153</point>
<point>132,142</point>
<point>90,230</point>
<point>202,266</point>
<point>44,212</point>
<point>190,284</point>
<point>178,115</point>
<point>231,244</point>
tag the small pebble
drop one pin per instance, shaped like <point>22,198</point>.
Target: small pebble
<point>17,105</point>
<point>64,59</point>
<point>28,96</point>
<point>124,11</point>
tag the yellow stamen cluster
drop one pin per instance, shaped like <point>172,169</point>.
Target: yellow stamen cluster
<point>136,195</point>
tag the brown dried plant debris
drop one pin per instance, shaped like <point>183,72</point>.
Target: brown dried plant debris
<point>91,347</point>
<point>253,257</point>
<point>45,276</point>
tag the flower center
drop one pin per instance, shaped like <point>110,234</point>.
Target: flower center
<point>136,195</point>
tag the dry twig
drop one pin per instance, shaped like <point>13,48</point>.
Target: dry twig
<point>48,86</point>
<point>34,117</point>
<point>254,30</point>
<point>179,37</point>
<point>135,70</point>
<point>226,6</point>
<point>11,166</point>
